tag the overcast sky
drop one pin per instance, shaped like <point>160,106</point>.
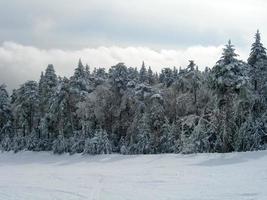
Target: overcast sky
<point>163,33</point>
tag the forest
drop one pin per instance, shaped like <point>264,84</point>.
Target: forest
<point>132,110</point>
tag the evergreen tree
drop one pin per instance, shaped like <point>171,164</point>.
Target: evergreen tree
<point>133,74</point>
<point>191,66</point>
<point>230,79</point>
<point>229,74</point>
<point>119,77</point>
<point>47,86</point>
<point>59,145</point>
<point>143,73</point>
<point>157,118</point>
<point>6,128</point>
<point>167,138</point>
<point>150,76</point>
<point>99,144</point>
<point>258,51</point>
<point>166,77</point>
<point>250,134</point>
<point>5,110</point>
<point>60,116</point>
<point>123,146</point>
<point>142,139</point>
<point>258,64</point>
<point>26,108</point>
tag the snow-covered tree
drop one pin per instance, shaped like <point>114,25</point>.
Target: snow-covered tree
<point>166,77</point>
<point>123,146</point>
<point>258,64</point>
<point>5,113</point>
<point>60,117</point>
<point>258,51</point>
<point>221,109</point>
<point>167,138</point>
<point>142,140</point>
<point>99,144</point>
<point>26,108</point>
<point>59,145</point>
<point>47,86</point>
<point>150,76</point>
<point>143,73</point>
<point>119,77</point>
<point>229,73</point>
<point>157,118</point>
<point>230,80</point>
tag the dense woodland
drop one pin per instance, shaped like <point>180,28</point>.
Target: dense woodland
<point>132,111</point>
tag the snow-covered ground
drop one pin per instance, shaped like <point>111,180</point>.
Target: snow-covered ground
<point>34,176</point>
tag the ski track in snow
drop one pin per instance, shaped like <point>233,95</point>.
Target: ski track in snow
<point>42,176</point>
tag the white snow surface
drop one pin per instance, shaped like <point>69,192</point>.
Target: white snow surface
<point>42,175</point>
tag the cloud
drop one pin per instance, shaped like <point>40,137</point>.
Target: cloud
<point>19,63</point>
<point>158,24</point>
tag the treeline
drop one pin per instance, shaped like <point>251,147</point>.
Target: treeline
<point>131,111</point>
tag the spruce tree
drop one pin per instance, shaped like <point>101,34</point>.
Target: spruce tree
<point>143,136</point>
<point>6,127</point>
<point>143,73</point>
<point>26,108</point>
<point>258,51</point>
<point>99,144</point>
<point>119,77</point>
<point>167,140</point>
<point>229,80</point>
<point>258,64</point>
<point>150,76</point>
<point>5,108</point>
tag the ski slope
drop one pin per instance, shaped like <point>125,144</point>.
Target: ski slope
<point>43,176</point>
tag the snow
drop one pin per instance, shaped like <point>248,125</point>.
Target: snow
<point>41,175</point>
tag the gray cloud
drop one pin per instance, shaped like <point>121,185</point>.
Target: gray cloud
<point>158,24</point>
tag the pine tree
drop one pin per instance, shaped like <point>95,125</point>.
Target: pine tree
<point>142,141</point>
<point>228,55</point>
<point>80,82</point>
<point>60,116</point>
<point>133,74</point>
<point>191,66</point>
<point>99,144</point>
<point>79,71</point>
<point>166,77</point>
<point>258,51</point>
<point>77,89</point>
<point>250,134</point>
<point>90,146</point>
<point>6,128</point>
<point>5,110</point>
<point>143,73</point>
<point>157,118</point>
<point>167,138</point>
<point>47,86</point>
<point>229,73</point>
<point>46,89</point>
<point>150,76</point>
<point>26,108</point>
<point>230,79</point>
<point>123,146</point>
<point>193,79</point>
<point>18,143</point>
<point>59,145</point>
<point>258,64</point>
<point>119,77</point>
